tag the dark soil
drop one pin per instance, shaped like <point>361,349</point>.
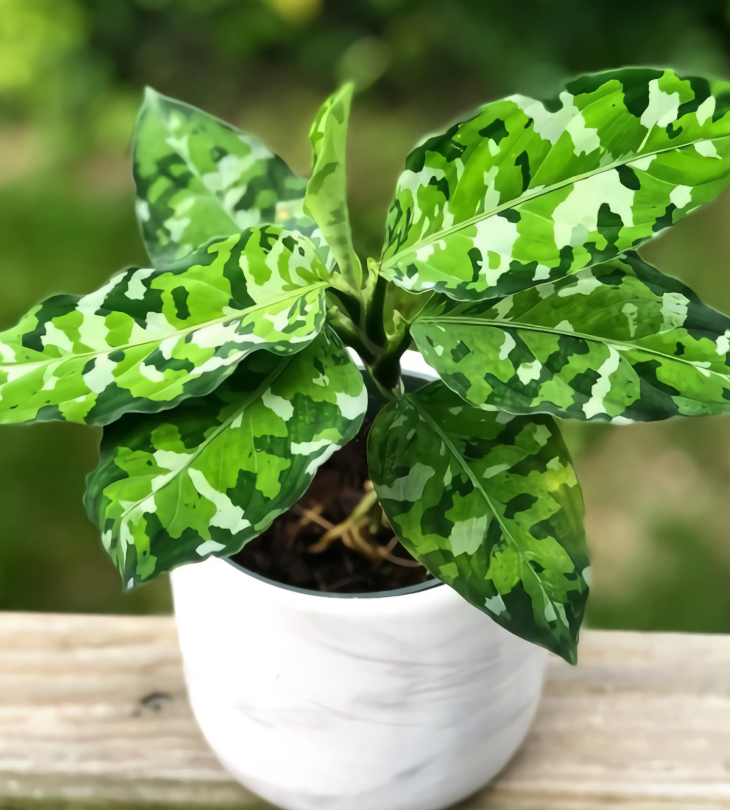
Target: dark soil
<point>282,553</point>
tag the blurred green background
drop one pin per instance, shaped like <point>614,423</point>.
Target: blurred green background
<point>71,78</point>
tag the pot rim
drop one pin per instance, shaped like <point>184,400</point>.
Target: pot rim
<point>421,586</point>
<point>413,363</point>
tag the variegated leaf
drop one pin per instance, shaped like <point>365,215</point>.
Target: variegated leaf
<point>199,178</point>
<point>150,338</point>
<point>528,191</point>
<point>618,342</point>
<point>326,196</point>
<point>212,474</point>
<point>490,504</point>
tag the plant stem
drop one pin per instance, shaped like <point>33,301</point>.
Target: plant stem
<point>386,369</point>
<point>386,375</point>
<point>360,323</point>
<point>351,305</point>
<point>375,313</point>
<point>352,337</point>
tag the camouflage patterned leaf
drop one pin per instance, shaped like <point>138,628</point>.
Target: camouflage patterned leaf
<point>326,197</point>
<point>618,342</point>
<point>199,178</point>
<point>526,191</point>
<point>150,338</point>
<point>490,504</point>
<point>204,479</point>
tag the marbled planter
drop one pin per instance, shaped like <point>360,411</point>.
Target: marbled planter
<point>405,701</point>
<point>402,700</point>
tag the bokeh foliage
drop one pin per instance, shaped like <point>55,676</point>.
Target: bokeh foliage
<point>71,76</point>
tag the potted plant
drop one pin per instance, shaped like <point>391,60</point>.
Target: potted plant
<point>241,377</point>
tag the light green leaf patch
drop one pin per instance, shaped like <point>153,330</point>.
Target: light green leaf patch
<point>410,486</point>
<point>526,191</point>
<point>490,504</point>
<point>199,178</point>
<point>618,342</point>
<point>151,338</point>
<point>210,475</point>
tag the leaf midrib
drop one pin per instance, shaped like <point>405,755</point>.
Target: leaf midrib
<point>426,417</point>
<point>618,344</point>
<point>251,397</point>
<point>526,197</point>
<point>301,292</point>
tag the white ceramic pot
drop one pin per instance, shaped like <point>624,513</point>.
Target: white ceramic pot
<point>397,702</point>
<point>404,700</point>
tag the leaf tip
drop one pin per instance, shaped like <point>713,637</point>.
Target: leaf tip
<point>343,95</point>
<point>569,653</point>
<point>151,97</point>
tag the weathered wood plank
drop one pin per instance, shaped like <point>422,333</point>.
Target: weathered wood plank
<point>93,715</point>
<point>642,724</point>
<point>94,708</point>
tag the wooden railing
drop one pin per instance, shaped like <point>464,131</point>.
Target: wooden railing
<point>93,714</point>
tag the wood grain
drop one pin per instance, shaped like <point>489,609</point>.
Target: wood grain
<point>93,714</point>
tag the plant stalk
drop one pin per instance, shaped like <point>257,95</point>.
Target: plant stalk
<point>360,323</point>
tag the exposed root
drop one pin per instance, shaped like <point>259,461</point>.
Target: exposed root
<point>355,532</point>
